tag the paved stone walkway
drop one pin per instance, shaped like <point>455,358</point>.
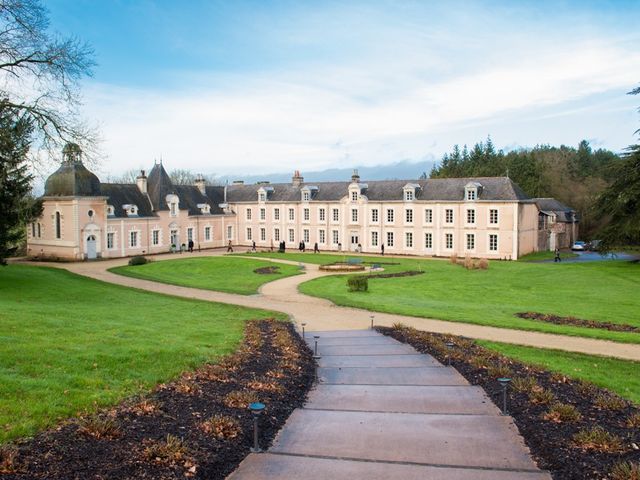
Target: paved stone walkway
<point>320,314</point>
<point>383,411</point>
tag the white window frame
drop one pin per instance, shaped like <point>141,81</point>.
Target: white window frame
<point>292,235</point>
<point>111,240</point>
<point>448,216</point>
<point>306,214</point>
<point>448,241</point>
<point>292,214</point>
<point>229,232</point>
<point>306,196</point>
<point>335,237</point>
<point>408,215</point>
<point>155,237</point>
<point>335,215</point>
<point>249,234</point>
<point>374,215</point>
<point>470,243</point>
<point>263,214</point>
<point>428,241</point>
<point>276,214</point>
<point>493,242</point>
<point>471,216</point>
<point>276,234</point>
<point>207,234</point>
<point>354,195</point>
<point>390,215</point>
<point>305,235</point>
<point>190,234</point>
<point>494,214</point>
<point>428,215</point>
<point>354,215</point>
<point>249,214</point>
<point>263,234</point>
<point>322,236</point>
<point>322,214</point>
<point>374,239</point>
<point>134,235</point>
<point>408,239</point>
<point>390,239</point>
<point>409,195</point>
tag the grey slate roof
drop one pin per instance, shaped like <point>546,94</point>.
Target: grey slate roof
<point>559,209</point>
<point>190,197</point>
<point>126,194</point>
<point>159,186</point>
<point>446,189</point>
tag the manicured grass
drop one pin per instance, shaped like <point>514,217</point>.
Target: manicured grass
<point>223,274</point>
<point>70,344</point>
<point>540,256</point>
<point>601,291</point>
<point>620,376</point>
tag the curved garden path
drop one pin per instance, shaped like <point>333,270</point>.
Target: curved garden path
<point>320,314</point>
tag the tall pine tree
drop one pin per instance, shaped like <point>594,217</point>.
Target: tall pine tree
<point>18,207</point>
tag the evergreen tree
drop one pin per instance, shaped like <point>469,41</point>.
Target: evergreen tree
<point>18,207</point>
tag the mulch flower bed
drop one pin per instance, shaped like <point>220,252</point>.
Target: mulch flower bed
<point>197,426</point>
<point>578,322</point>
<point>574,429</point>
<point>267,270</point>
<point>408,273</point>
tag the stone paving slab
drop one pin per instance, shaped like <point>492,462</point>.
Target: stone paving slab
<point>391,376</point>
<point>365,349</point>
<point>267,466</point>
<point>414,360</point>
<point>406,399</point>
<point>368,340</point>
<point>480,441</point>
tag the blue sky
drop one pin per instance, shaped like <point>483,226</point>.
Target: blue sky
<point>256,87</point>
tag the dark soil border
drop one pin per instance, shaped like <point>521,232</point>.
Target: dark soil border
<point>270,270</point>
<point>408,273</point>
<point>126,442</point>
<point>578,322</point>
<point>551,442</point>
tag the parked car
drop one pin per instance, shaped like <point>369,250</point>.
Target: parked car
<point>579,245</point>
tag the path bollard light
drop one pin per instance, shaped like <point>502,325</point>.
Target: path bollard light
<point>303,325</point>
<point>256,408</point>
<point>504,383</point>
<point>450,346</point>
<point>372,317</point>
<point>316,359</point>
<point>315,347</point>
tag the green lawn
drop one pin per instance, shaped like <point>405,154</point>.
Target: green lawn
<point>620,376</point>
<point>223,274</point>
<point>604,291</point>
<point>70,344</point>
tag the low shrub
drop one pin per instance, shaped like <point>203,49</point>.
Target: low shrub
<point>541,396</point>
<point>483,264</point>
<point>100,427</point>
<point>8,457</point>
<point>453,259</point>
<point>609,402</point>
<point>598,439</point>
<point>498,370</point>
<point>524,384</point>
<point>221,427</point>
<point>633,421</point>
<point>358,283</point>
<point>138,260</point>
<point>625,471</point>
<point>171,450</point>
<point>563,412</point>
<point>240,399</point>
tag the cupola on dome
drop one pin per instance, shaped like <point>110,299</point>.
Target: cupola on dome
<point>72,179</point>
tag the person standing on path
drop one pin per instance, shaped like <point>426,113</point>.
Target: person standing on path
<point>190,246</point>
<point>557,256</point>
<point>315,248</point>
<point>382,249</point>
<point>229,247</point>
<point>253,246</point>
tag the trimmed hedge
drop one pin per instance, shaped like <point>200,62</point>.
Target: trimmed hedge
<point>138,260</point>
<point>358,283</point>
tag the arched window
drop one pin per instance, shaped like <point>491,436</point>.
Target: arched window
<point>58,230</point>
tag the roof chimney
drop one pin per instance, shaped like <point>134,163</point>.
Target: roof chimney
<point>201,184</point>
<point>355,178</point>
<point>141,181</point>
<point>297,179</point>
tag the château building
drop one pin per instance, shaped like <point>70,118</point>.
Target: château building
<point>488,217</point>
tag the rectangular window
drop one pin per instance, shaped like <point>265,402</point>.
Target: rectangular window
<point>263,214</point>
<point>428,216</point>
<point>321,214</point>
<point>335,237</point>
<point>428,240</point>
<point>249,234</point>
<point>471,241</point>
<point>389,215</point>
<point>276,234</point>
<point>471,194</point>
<point>374,215</point>
<point>305,196</point>
<point>408,196</point>
<point>110,240</point>
<point>306,214</point>
<point>354,196</point>
<point>493,243</point>
<point>305,235</point>
<point>155,237</point>
<point>408,215</point>
<point>336,215</point>
<point>263,234</point>
<point>448,241</point>
<point>471,216</point>
<point>262,197</point>
<point>408,239</point>
<point>248,214</point>
<point>354,215</point>
<point>229,232</point>
<point>276,214</point>
<point>292,235</point>
<point>448,215</point>
<point>389,239</point>
<point>321,237</point>
<point>190,234</point>
<point>493,216</point>
<point>292,214</point>
<point>207,234</point>
<point>374,239</point>
<point>133,239</point>
<point>174,209</point>
<point>33,230</point>
<point>39,231</point>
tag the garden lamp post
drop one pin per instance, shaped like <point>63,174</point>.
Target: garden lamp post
<point>303,325</point>
<point>450,346</point>
<point>256,408</point>
<point>504,383</point>
<point>316,359</point>
<point>315,347</point>
<point>372,317</point>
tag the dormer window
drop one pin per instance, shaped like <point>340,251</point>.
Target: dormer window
<point>306,196</point>
<point>130,210</point>
<point>354,196</point>
<point>111,211</point>
<point>262,197</point>
<point>173,201</point>
<point>472,191</point>
<point>410,191</point>
<point>307,192</point>
<point>205,208</point>
<point>263,193</point>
